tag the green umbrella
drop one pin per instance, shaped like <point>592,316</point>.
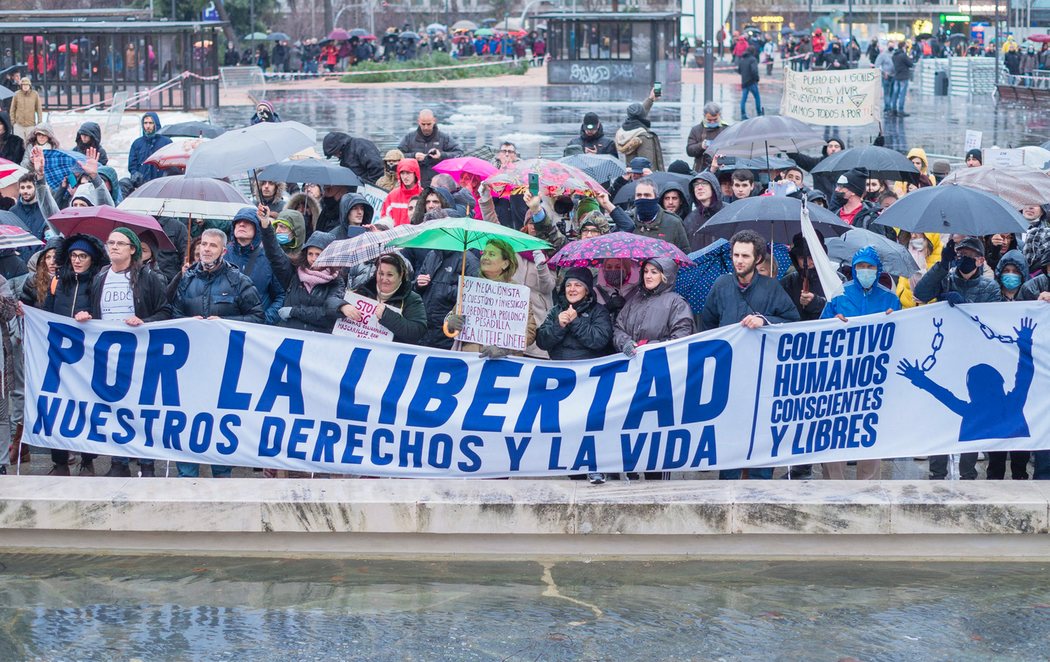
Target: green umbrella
<point>484,32</point>
<point>256,36</point>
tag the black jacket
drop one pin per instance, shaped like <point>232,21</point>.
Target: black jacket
<point>938,282</point>
<point>93,131</point>
<point>902,65</point>
<point>586,337</point>
<point>439,297</point>
<point>747,66</point>
<point>417,142</point>
<point>598,142</point>
<point>12,147</point>
<point>410,324</point>
<point>316,310</point>
<point>170,262</point>
<point>224,292</point>
<point>70,292</point>
<point>358,154</point>
<point>148,291</point>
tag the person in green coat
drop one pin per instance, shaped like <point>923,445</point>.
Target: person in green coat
<point>392,288</point>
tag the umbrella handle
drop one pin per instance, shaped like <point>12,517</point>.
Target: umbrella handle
<point>459,296</point>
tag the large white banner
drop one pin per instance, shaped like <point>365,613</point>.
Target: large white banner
<point>852,97</point>
<point>925,381</point>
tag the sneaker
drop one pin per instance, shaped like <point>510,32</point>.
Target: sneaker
<point>118,470</point>
<point>147,472</point>
<point>596,478</point>
<point>59,470</point>
<point>87,468</point>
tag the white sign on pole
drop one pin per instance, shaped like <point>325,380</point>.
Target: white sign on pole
<point>494,313</point>
<point>369,327</point>
<point>833,98</point>
<point>973,140</point>
<point>1003,157</point>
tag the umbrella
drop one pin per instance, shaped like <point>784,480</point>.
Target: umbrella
<point>953,209</point>
<point>59,164</point>
<point>490,21</point>
<point>694,283</point>
<point>357,32</point>
<point>484,32</point>
<point>756,165</point>
<point>192,130</point>
<point>880,162</point>
<point>368,37</point>
<point>766,135</point>
<point>184,197</point>
<point>465,25</point>
<point>339,34</point>
<point>256,36</point>
<point>174,155</point>
<point>436,27</point>
<point>464,164</point>
<point>310,171</point>
<point>624,245</point>
<point>1037,157</point>
<point>1018,185</point>
<point>661,179</point>
<point>555,179</point>
<point>602,167</point>
<point>5,93</point>
<point>896,260</point>
<point>1039,38</point>
<point>777,218</point>
<point>460,234</point>
<point>13,235</point>
<point>10,172</point>
<point>346,253</point>
<point>102,220</point>
<point>241,150</point>
<point>278,36</point>
<point>408,35</point>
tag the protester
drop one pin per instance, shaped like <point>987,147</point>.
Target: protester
<point>10,448</point>
<point>508,155</point>
<point>359,155</point>
<point>395,206</point>
<point>822,181</point>
<point>400,309</point>
<point>144,146</point>
<point>1037,236</point>
<point>270,194</point>
<point>428,146</point>
<point>12,147</point>
<point>89,136</point>
<point>437,281</point>
<point>635,138</point>
<point>884,63</point>
<point>35,204</point>
<point>851,207</point>
<point>701,135</point>
<point>308,207</point>
<point>802,284</point>
<point>40,136</point>
<point>747,67</point>
<point>651,220</point>
<point>742,185</point>
<point>42,268</point>
<point>592,138</point>
<point>26,108</point>
<point>389,178</point>
<point>264,112</point>
<point>707,201</point>
<point>673,199</point>
<point>290,232</point>
<point>637,168</point>
<point>974,159</point>
<point>245,252</point>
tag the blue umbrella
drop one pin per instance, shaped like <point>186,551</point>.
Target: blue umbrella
<point>694,283</point>
<point>59,164</point>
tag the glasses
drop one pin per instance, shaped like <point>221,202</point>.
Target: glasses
<point>77,257</point>
<point>117,244</point>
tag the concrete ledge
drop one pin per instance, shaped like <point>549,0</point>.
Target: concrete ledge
<point>916,520</point>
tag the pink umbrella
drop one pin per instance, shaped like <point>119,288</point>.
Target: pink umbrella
<point>472,164</point>
<point>1039,38</point>
<point>338,34</point>
<point>10,172</point>
<point>174,155</point>
<point>102,220</point>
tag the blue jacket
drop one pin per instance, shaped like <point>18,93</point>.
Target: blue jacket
<point>251,261</point>
<point>858,301</point>
<point>144,147</point>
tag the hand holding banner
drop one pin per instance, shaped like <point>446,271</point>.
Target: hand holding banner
<point>368,327</point>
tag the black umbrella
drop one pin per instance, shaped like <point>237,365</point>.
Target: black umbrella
<point>757,165</point>
<point>278,36</point>
<point>953,209</point>
<point>777,218</point>
<point>409,35</point>
<point>358,32</point>
<point>310,171</point>
<point>192,130</point>
<point>880,162</point>
<point>661,179</point>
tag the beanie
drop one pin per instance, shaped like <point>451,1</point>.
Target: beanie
<point>585,206</point>
<point>582,275</point>
<point>975,153</point>
<point>136,243</point>
<point>82,244</point>
<point>855,180</point>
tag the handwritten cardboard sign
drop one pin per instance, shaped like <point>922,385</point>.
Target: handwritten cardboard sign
<point>494,313</point>
<point>369,327</point>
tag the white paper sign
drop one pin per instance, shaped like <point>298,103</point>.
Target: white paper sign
<point>852,97</point>
<point>1003,157</point>
<point>973,140</point>
<point>494,313</point>
<point>369,327</point>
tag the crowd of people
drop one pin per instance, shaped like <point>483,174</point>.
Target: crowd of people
<point>260,267</point>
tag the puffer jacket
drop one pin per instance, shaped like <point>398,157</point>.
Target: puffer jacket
<point>586,337</point>
<point>410,325</point>
<point>654,315</point>
<point>727,303</point>
<point>699,215</point>
<point>70,292</point>
<point>143,148</point>
<point>357,154</point>
<point>395,206</point>
<point>599,142</point>
<point>93,131</point>
<point>313,310</point>
<point>12,147</point>
<point>224,292</point>
<point>440,295</point>
<point>938,282</point>
<point>251,261</point>
<point>416,142</point>
<point>855,300</point>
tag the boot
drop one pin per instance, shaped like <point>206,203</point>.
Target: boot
<point>59,470</point>
<point>18,449</point>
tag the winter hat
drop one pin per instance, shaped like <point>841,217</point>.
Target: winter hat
<point>940,168</point>
<point>393,155</point>
<point>582,275</point>
<point>855,180</point>
<point>972,243</point>
<point>585,206</point>
<point>639,164</point>
<point>975,153</point>
<point>319,240</point>
<point>86,246</point>
<point>841,144</point>
<point>591,121</point>
<point>25,79</point>
<point>136,243</point>
<point>266,104</point>
<point>680,167</point>
<point>636,111</point>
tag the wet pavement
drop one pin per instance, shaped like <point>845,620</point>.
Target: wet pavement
<point>186,608</point>
<point>542,119</point>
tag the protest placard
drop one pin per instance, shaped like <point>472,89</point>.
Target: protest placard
<point>845,98</point>
<point>494,313</point>
<point>1003,158</point>
<point>369,327</point>
<point>973,140</point>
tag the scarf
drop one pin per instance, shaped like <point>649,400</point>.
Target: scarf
<point>311,278</point>
<point>636,123</point>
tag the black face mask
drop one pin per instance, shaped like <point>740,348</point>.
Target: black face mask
<point>965,265</point>
<point>839,199</point>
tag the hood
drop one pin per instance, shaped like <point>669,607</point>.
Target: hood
<point>408,165</point>
<point>156,123</point>
<point>87,192</point>
<point>110,175</point>
<point>278,191</point>
<point>299,199</point>
<point>824,149</point>
<point>297,223</point>
<point>52,244</point>
<point>319,240</point>
<point>62,254</point>
<point>921,153</point>
<point>686,198</point>
<point>45,129</point>
<point>1016,258</point>
<point>348,202</point>
<point>334,143</point>
<point>5,119</point>
<point>406,281</point>
<point>668,267</point>
<point>871,256</point>
<point>246,214</point>
<point>581,274</point>
<point>711,179</point>
<point>93,130</point>
<point>393,155</point>
<point>636,111</point>
<point>597,219</point>
<point>447,201</point>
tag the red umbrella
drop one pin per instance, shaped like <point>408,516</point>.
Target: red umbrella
<point>10,172</point>
<point>555,179</point>
<point>472,164</point>
<point>102,220</point>
<point>12,236</point>
<point>174,155</point>
<point>1039,38</point>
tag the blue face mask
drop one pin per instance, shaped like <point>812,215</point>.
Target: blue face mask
<point>647,208</point>
<point>866,277</point>
<point>284,239</point>
<point>1011,281</point>
<point>712,125</point>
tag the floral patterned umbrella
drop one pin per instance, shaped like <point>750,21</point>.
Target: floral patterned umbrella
<point>624,245</point>
<point>555,179</point>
